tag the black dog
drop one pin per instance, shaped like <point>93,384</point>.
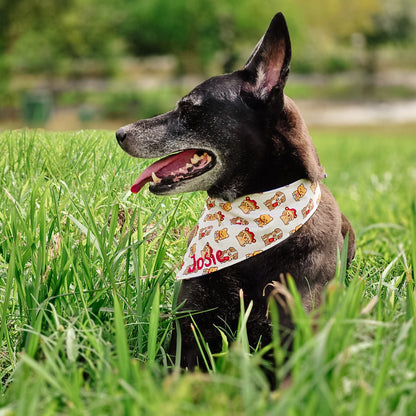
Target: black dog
<point>235,135</point>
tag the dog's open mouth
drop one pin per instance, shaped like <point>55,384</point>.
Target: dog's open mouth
<point>174,169</point>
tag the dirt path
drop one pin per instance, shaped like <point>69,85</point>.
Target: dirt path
<point>316,112</point>
<point>333,113</point>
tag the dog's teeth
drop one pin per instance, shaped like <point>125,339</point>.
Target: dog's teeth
<point>195,159</point>
<point>189,166</point>
<point>206,157</point>
<point>182,170</point>
<point>155,178</point>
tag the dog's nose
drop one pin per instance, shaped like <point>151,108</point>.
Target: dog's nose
<point>121,134</point>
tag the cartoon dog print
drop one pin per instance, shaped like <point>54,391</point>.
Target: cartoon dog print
<point>239,221</point>
<point>245,237</point>
<point>248,205</point>
<point>253,254</point>
<point>210,203</point>
<point>207,251</point>
<point>289,214</point>
<point>219,216</point>
<point>263,220</point>
<point>307,209</point>
<point>221,234</point>
<point>204,232</point>
<point>299,193</point>
<point>231,253</point>
<point>297,228</point>
<point>277,199</point>
<point>210,270</point>
<point>226,206</point>
<point>276,234</point>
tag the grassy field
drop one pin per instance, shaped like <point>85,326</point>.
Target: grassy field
<point>87,283</point>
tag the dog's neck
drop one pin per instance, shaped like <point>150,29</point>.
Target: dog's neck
<point>229,232</point>
<point>289,156</point>
<point>270,174</point>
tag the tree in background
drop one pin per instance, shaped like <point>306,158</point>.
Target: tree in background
<point>322,30</point>
<point>395,23</point>
<point>194,31</point>
<point>48,35</point>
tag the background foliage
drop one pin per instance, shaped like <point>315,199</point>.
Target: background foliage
<point>46,36</point>
<point>75,54</point>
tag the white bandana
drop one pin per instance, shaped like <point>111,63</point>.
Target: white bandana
<point>230,232</point>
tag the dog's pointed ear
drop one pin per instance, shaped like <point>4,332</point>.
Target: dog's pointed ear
<point>268,66</point>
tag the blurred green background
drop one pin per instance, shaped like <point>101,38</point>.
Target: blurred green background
<point>72,64</point>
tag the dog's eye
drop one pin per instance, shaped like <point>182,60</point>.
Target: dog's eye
<point>188,111</point>
<point>185,106</point>
<point>184,109</point>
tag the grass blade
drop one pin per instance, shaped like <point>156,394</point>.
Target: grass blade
<point>123,354</point>
<point>4,334</point>
<point>242,336</point>
<point>203,348</point>
<point>153,327</point>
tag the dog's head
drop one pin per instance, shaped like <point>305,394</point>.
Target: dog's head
<point>233,134</point>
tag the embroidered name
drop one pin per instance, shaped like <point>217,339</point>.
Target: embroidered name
<point>207,260</point>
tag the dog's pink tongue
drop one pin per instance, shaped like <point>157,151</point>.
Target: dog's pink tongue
<point>162,168</point>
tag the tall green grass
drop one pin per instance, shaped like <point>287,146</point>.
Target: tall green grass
<point>87,288</point>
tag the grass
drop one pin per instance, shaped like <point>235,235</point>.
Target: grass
<point>87,283</point>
